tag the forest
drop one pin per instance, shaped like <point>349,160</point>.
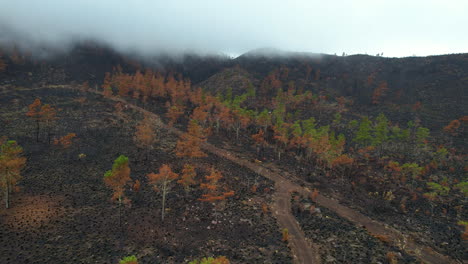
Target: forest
<point>232,162</point>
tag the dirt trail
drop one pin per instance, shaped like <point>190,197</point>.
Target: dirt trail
<point>304,251</point>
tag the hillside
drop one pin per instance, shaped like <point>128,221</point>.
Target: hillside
<point>437,84</point>
<point>355,159</point>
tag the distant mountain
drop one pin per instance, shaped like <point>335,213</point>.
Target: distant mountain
<point>433,89</point>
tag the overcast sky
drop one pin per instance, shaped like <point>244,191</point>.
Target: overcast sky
<point>394,27</point>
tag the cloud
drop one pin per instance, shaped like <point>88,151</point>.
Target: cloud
<point>397,28</point>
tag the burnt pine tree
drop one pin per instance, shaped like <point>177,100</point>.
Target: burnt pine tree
<point>117,178</point>
<point>35,113</point>
<point>42,113</point>
<point>145,135</point>
<point>11,164</point>
<point>161,182</point>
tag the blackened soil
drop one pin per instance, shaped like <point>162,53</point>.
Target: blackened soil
<point>63,212</point>
<point>341,241</point>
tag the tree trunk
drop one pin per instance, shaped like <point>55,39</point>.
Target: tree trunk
<point>7,194</point>
<point>120,213</point>
<point>37,130</point>
<point>163,200</point>
<point>48,134</point>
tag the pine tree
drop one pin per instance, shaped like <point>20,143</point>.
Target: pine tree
<point>161,183</point>
<point>42,113</point>
<point>35,113</point>
<point>117,178</point>
<point>213,190</point>
<point>380,131</point>
<point>48,116</point>
<point>107,85</point>
<point>422,134</point>
<point>145,135</point>
<point>259,140</point>
<point>189,144</point>
<point>11,164</point>
<point>65,141</point>
<point>188,177</point>
<point>363,135</point>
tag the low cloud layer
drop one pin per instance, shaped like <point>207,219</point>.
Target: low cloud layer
<point>396,28</point>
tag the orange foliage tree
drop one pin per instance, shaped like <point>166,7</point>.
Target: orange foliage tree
<point>282,138</point>
<point>107,85</point>
<point>188,177</point>
<point>35,113</point>
<point>49,116</point>
<point>117,178</point>
<point>161,183</point>
<point>11,164</point>
<point>379,92</point>
<point>145,134</point>
<point>65,141</point>
<point>452,127</point>
<point>259,140</point>
<point>42,113</point>
<point>201,115</point>
<point>174,112</point>
<point>213,191</point>
<point>189,144</point>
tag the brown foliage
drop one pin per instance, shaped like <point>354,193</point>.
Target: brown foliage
<point>452,127</point>
<point>265,208</point>
<point>107,85</point>
<point>34,109</point>
<point>65,141</point>
<point>136,186</point>
<point>342,160</point>
<point>160,183</point>
<point>188,176</point>
<point>201,115</point>
<point>174,112</point>
<point>41,113</point>
<point>417,106</point>
<point>259,138</point>
<point>118,177</point>
<point>314,194</point>
<point>164,176</point>
<point>145,134</point>
<point>379,92</point>
<point>189,144</point>
<point>11,164</point>
<point>213,190</point>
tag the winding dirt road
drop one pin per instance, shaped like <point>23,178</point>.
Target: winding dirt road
<point>304,251</point>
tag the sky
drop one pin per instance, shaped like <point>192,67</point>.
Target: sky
<point>396,28</point>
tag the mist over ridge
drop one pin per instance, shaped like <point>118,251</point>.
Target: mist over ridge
<point>233,28</point>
